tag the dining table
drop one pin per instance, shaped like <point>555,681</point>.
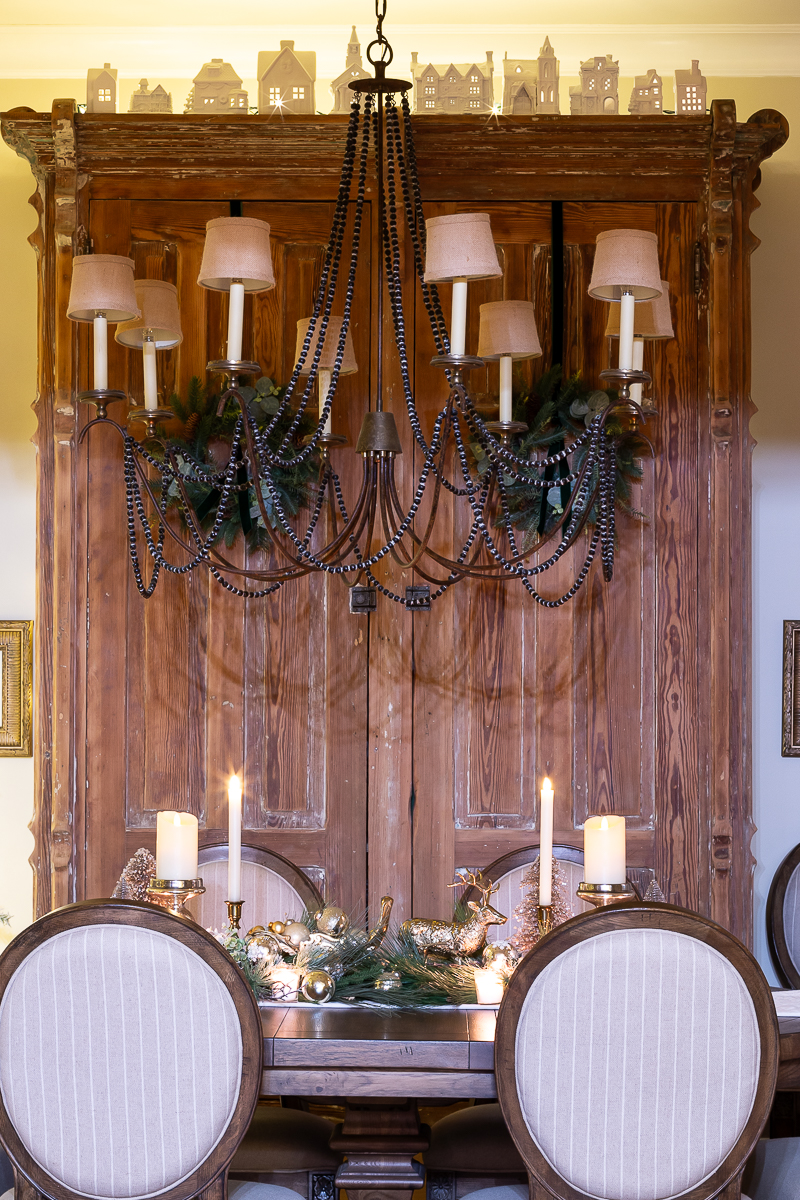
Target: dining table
<point>380,1063</point>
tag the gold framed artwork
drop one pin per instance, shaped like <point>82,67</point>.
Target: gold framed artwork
<point>790,740</point>
<point>16,689</point>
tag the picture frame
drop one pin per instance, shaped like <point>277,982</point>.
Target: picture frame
<point>790,739</point>
<point>16,689</point>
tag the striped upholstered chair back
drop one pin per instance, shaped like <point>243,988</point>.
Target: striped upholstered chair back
<point>272,887</point>
<point>636,1057</point>
<point>509,872</point>
<point>130,1055</point>
<point>783,919</point>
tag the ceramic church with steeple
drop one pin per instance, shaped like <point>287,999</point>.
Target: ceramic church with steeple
<point>353,70</point>
<point>530,85</point>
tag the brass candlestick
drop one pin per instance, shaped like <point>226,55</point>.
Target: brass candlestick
<point>544,918</point>
<point>173,894</point>
<point>601,894</point>
<point>234,908</point>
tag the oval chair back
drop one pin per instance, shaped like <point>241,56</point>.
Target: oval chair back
<point>272,887</point>
<point>783,919</point>
<point>509,872</point>
<point>636,1056</point>
<point>130,1055</point>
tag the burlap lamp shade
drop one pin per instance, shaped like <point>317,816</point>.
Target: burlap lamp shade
<point>102,283</point>
<point>652,320</point>
<point>626,258</point>
<point>158,302</point>
<point>328,357</point>
<point>237,248</point>
<point>508,329</point>
<point>460,246</point>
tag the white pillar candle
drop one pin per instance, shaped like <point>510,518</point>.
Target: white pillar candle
<point>100,340</point>
<point>488,985</point>
<point>324,387</point>
<point>235,321</point>
<point>290,978</point>
<point>176,845</point>
<point>546,844</point>
<point>234,838</point>
<point>638,363</point>
<point>604,850</point>
<point>150,374</point>
<point>506,363</point>
<point>627,307</point>
<point>458,320</point>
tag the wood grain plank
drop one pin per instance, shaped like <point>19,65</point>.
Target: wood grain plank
<point>456,1085</point>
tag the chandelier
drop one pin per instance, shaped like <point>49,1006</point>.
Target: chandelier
<point>353,540</point>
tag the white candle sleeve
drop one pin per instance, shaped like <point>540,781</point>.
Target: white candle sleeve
<point>150,375</point>
<point>235,321</point>
<point>100,339</point>
<point>627,308</point>
<point>506,364</point>
<point>176,845</point>
<point>488,985</point>
<point>458,322</point>
<point>638,363</point>
<point>324,388</point>
<point>546,846</point>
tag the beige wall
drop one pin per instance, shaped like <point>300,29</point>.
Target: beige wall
<point>776,336</point>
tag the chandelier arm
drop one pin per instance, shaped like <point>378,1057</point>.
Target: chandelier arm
<point>353,526</point>
<point>577,584</point>
<point>138,470</point>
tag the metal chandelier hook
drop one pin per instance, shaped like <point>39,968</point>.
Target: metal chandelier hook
<point>386,53</point>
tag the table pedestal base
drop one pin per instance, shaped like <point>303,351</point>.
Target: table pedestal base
<point>380,1139</point>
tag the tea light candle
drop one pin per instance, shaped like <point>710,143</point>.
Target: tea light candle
<point>488,985</point>
<point>289,977</point>
<point>546,844</point>
<point>235,838</point>
<point>176,845</point>
<point>604,850</point>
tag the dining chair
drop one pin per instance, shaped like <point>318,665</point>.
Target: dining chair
<point>272,887</point>
<point>284,1143</point>
<point>636,1057</point>
<point>130,1055</point>
<point>783,920</point>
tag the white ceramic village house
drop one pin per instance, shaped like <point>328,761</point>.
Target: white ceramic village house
<point>286,79</point>
<point>101,89</point>
<point>690,90</point>
<point>353,69</point>
<point>156,101</point>
<point>453,89</point>
<point>647,97</point>
<point>530,85</point>
<point>217,89</point>
<point>598,90</point>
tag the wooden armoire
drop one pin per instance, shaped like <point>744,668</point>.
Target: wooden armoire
<point>381,752</point>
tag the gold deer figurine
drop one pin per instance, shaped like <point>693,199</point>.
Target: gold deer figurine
<point>456,939</point>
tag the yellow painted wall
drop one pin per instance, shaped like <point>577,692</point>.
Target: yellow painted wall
<point>776,336</point>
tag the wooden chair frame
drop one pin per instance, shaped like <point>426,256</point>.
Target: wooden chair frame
<point>544,1180</point>
<point>785,969</point>
<point>520,858</point>
<point>306,890</point>
<point>209,1180</point>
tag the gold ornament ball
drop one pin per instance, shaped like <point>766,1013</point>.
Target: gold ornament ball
<point>267,946</point>
<point>277,927</point>
<point>318,986</point>
<point>500,956</point>
<point>297,933</point>
<point>332,921</point>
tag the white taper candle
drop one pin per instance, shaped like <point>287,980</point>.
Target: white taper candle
<point>458,321</point>
<point>627,307</point>
<point>546,844</point>
<point>100,338</point>
<point>150,373</point>
<point>506,364</point>
<point>234,838</point>
<point>324,388</point>
<point>235,322</point>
